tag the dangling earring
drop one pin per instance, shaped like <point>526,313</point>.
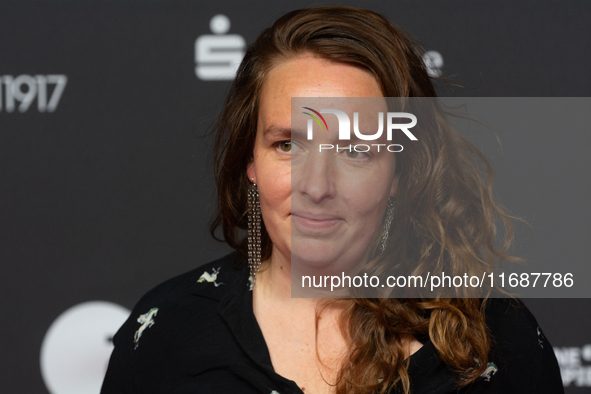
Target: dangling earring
<point>254,232</point>
<point>388,222</point>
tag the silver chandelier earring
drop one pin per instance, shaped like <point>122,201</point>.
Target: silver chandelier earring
<point>254,232</point>
<point>388,223</point>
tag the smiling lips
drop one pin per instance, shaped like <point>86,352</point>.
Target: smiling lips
<point>315,221</point>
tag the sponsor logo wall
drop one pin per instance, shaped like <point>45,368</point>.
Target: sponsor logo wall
<point>575,364</point>
<point>105,185</point>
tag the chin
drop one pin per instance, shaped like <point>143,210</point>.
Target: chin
<point>311,257</point>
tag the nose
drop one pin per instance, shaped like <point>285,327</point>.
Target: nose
<point>314,178</point>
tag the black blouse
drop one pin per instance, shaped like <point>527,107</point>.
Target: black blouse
<point>197,333</point>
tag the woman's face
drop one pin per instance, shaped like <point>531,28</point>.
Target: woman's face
<point>320,209</point>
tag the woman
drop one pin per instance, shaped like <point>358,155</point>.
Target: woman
<point>232,327</point>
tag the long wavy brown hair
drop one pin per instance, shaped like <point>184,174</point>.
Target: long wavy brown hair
<point>444,217</point>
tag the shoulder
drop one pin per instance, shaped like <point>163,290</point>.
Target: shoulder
<point>521,358</point>
<point>511,324</point>
<point>171,324</point>
<point>509,317</point>
<point>188,301</point>
<point>212,281</point>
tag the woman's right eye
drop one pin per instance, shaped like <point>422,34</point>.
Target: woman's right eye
<point>285,146</point>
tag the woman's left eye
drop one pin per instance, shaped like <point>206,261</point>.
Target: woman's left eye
<point>355,154</point>
<point>352,154</point>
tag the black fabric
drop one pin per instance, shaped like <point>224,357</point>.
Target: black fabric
<point>205,339</point>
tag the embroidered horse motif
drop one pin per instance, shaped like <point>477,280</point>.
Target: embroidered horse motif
<point>211,278</point>
<point>540,337</point>
<point>491,369</point>
<point>146,320</point>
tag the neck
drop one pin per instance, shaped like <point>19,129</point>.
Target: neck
<point>273,284</point>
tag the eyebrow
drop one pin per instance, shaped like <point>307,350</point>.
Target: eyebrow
<point>283,132</point>
<point>276,131</point>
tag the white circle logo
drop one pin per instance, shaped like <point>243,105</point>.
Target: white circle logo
<point>76,349</point>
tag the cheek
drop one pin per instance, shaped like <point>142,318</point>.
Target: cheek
<point>275,192</point>
<point>366,195</point>
<point>365,199</point>
<point>368,215</point>
<point>275,197</point>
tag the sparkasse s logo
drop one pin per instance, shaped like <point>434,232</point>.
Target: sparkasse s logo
<point>218,55</point>
<point>345,129</point>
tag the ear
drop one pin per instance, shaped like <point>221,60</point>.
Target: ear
<point>251,171</point>
<point>394,187</point>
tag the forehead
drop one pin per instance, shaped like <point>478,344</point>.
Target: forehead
<point>310,76</point>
